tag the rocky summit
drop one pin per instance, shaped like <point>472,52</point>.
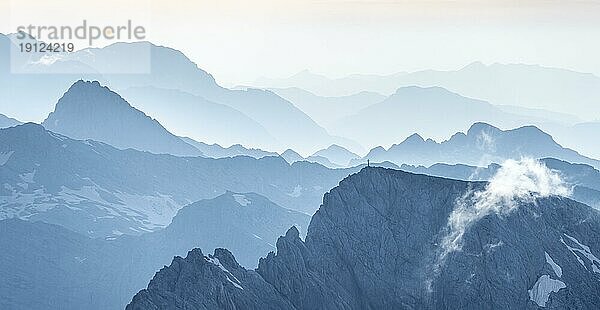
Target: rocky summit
<point>378,242</point>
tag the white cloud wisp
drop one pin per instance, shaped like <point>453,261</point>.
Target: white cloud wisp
<point>516,181</point>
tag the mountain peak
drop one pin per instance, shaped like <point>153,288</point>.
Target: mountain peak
<point>414,138</point>
<point>89,110</point>
<point>414,89</point>
<point>92,95</point>
<point>291,156</point>
<point>26,127</point>
<point>6,121</point>
<point>479,127</point>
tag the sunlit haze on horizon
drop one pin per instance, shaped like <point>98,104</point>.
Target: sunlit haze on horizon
<point>238,42</point>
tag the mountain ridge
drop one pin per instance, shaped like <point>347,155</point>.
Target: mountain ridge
<point>358,255</point>
<point>482,144</point>
<point>91,111</point>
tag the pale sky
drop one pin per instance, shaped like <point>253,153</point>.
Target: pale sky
<point>239,41</point>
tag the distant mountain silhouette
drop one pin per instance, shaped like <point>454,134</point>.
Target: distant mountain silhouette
<point>321,160</point>
<point>217,151</point>
<point>481,145</point>
<point>521,85</point>
<point>89,111</point>
<point>166,69</point>
<point>337,155</point>
<point>432,111</point>
<point>334,156</point>
<point>581,136</point>
<point>198,118</point>
<point>291,156</point>
<point>6,121</point>
<point>327,110</point>
<point>521,94</point>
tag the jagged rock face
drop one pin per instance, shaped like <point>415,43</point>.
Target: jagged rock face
<point>377,237</point>
<point>207,282</point>
<point>371,238</point>
<point>376,243</point>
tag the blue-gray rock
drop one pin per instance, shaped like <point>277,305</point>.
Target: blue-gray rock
<point>375,244</point>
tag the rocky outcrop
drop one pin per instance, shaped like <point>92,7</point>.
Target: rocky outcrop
<point>207,282</point>
<point>377,243</point>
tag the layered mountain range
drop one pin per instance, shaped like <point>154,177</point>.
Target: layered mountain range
<point>501,84</point>
<point>46,266</point>
<point>98,190</point>
<point>481,145</point>
<point>161,81</point>
<point>142,156</point>
<point>89,111</point>
<point>583,179</point>
<point>6,121</point>
<point>438,103</point>
<point>379,241</point>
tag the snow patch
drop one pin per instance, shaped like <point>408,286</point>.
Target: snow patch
<point>144,212</point>
<point>5,156</point>
<point>57,136</point>
<point>543,287</point>
<point>490,247</point>
<point>241,199</point>
<point>585,251</point>
<point>228,274</point>
<point>557,269</point>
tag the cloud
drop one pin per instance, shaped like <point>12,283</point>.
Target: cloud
<point>516,181</point>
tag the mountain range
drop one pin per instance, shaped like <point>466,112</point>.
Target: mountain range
<point>327,110</point>
<point>521,85</point>
<point>89,111</point>
<point>47,266</point>
<point>6,121</point>
<point>199,118</point>
<point>482,144</point>
<point>584,179</point>
<point>334,156</point>
<point>433,112</point>
<point>507,96</point>
<point>217,151</point>
<point>142,158</point>
<point>169,87</point>
<point>379,241</point>
<point>162,71</point>
<point>98,190</point>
